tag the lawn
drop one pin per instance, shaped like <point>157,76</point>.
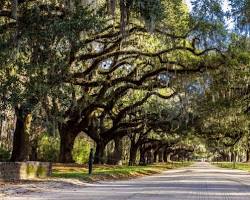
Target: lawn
<point>230,165</point>
<point>107,172</point>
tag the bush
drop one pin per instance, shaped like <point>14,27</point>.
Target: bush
<point>48,148</point>
<point>4,155</point>
<point>81,150</point>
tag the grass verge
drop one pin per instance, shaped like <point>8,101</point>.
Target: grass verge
<point>107,172</point>
<point>230,165</point>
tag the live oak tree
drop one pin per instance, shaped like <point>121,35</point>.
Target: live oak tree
<point>32,62</point>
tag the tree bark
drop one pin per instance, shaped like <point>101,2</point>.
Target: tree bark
<point>1,126</point>
<point>116,157</point>
<point>150,157</point>
<point>160,156</point>
<point>132,155</point>
<point>142,157</point>
<point>123,15</point>
<point>156,158</point>
<point>232,157</point>
<point>248,150</point>
<point>67,140</point>
<point>247,155</point>
<point>33,154</point>
<point>100,153</point>
<point>20,150</point>
<point>167,155</point>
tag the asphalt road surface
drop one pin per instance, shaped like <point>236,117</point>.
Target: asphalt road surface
<point>198,182</point>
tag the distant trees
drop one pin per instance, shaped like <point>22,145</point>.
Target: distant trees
<point>223,113</point>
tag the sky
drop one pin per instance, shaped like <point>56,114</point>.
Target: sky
<point>226,7</point>
<point>189,4</point>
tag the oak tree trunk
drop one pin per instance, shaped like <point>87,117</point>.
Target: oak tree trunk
<point>247,155</point>
<point>156,156</point>
<point>67,140</point>
<point>150,157</point>
<point>132,155</point>
<point>100,153</point>
<point>20,150</point>
<point>116,156</point>
<point>142,157</point>
<point>160,156</point>
<point>33,153</point>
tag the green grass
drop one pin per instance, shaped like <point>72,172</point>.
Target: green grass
<point>230,165</point>
<point>107,172</point>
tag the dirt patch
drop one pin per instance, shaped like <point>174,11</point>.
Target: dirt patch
<point>23,187</point>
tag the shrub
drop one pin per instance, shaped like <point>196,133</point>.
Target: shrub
<point>48,148</point>
<point>4,155</point>
<point>81,150</point>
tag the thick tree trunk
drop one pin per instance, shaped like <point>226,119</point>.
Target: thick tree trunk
<point>231,157</point>
<point>132,155</point>
<point>160,156</point>
<point>224,157</point>
<point>142,157</point>
<point>1,127</point>
<point>33,153</point>
<point>236,157</point>
<point>67,140</point>
<point>20,150</point>
<point>116,157</point>
<point>100,152</point>
<point>248,151</point>
<point>150,157</point>
<point>167,154</point>
<point>248,155</point>
<point>156,158</point>
<point>169,157</point>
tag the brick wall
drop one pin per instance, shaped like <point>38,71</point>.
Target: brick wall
<point>24,170</point>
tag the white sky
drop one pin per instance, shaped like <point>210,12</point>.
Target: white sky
<point>189,4</point>
<point>225,4</point>
<point>226,7</point>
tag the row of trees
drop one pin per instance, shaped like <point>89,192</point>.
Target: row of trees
<point>115,69</point>
<point>225,110</point>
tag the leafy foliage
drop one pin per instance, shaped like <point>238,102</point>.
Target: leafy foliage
<point>145,69</point>
<point>48,148</point>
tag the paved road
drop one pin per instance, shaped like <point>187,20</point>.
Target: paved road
<point>198,182</point>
